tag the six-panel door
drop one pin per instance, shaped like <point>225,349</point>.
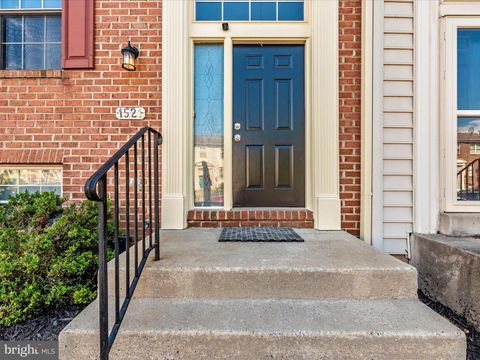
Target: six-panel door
<point>268,126</point>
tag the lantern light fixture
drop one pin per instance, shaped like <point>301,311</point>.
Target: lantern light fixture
<point>130,53</point>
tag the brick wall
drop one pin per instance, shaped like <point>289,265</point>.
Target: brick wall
<point>350,24</point>
<point>68,117</point>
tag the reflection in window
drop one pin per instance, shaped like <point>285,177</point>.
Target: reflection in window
<point>249,10</point>
<point>31,41</point>
<point>468,158</point>
<point>208,126</point>
<point>468,128</point>
<point>13,181</point>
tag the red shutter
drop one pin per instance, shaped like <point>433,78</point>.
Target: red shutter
<point>77,34</point>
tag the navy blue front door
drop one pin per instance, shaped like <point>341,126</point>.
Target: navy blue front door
<point>268,126</point>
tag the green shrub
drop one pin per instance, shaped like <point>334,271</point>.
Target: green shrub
<point>48,255</point>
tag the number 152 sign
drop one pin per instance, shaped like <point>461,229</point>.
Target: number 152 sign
<point>130,113</point>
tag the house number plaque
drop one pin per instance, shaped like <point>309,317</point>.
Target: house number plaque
<point>130,113</point>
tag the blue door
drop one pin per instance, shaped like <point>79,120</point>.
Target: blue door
<point>268,126</point>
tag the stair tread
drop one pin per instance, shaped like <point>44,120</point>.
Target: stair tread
<point>371,318</point>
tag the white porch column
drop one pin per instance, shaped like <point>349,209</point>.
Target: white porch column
<point>175,120</point>
<point>324,101</point>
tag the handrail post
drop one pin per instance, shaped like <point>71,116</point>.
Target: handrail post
<point>102,267</point>
<point>156,194</point>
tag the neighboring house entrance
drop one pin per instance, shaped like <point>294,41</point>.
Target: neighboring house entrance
<point>268,126</point>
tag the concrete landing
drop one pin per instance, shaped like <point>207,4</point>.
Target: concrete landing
<point>196,329</point>
<point>329,264</point>
<point>449,272</point>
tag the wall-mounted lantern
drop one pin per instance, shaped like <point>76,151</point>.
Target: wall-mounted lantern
<point>130,53</point>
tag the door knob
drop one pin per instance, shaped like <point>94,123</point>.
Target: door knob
<point>237,137</point>
<point>237,126</point>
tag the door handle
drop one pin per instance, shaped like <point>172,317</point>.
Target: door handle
<point>237,138</point>
<point>237,126</point>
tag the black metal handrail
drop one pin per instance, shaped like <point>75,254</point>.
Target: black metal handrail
<point>96,190</point>
<point>468,181</point>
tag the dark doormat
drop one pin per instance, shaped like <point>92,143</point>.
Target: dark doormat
<point>259,234</point>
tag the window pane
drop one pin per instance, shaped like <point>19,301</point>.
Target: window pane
<point>290,11</point>
<point>13,57</point>
<point>6,191</point>
<point>31,4</point>
<point>9,4</point>
<point>54,56</point>
<point>30,189</point>
<point>264,11</point>
<point>30,176</point>
<point>51,177</point>
<point>34,27</point>
<point>208,166</point>
<point>206,11</point>
<point>468,159</point>
<point>235,11</point>
<point>54,29</point>
<point>8,177</point>
<point>33,57</point>
<point>55,189</point>
<point>52,4</point>
<point>12,26</point>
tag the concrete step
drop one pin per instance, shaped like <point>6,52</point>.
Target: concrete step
<point>328,265</point>
<point>197,329</point>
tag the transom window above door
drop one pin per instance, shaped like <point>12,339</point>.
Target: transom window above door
<point>249,10</point>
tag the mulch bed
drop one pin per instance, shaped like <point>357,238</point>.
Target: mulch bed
<point>43,327</point>
<point>473,335</point>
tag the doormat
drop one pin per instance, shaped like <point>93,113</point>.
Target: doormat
<point>259,234</point>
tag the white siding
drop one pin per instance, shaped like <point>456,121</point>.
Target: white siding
<point>398,40</point>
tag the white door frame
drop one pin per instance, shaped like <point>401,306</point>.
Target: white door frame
<point>319,32</point>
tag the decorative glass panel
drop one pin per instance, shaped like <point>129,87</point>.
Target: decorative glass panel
<point>249,10</point>
<point>14,181</point>
<point>208,143</point>
<point>31,41</point>
<point>468,158</point>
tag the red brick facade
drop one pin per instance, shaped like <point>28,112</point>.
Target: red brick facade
<point>68,117</point>
<point>350,25</point>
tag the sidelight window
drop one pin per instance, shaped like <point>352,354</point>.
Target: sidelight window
<point>208,125</point>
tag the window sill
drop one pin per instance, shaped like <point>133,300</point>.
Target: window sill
<point>15,74</point>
